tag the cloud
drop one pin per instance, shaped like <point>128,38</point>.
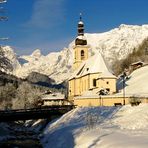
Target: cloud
<point>47,13</point>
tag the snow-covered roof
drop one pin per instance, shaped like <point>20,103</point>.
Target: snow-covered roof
<point>95,64</point>
<point>80,22</point>
<point>81,37</point>
<point>57,96</point>
<point>139,62</point>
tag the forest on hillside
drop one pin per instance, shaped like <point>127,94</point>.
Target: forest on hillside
<point>139,53</point>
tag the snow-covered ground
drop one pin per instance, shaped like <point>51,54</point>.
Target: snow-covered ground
<point>136,84</point>
<point>99,127</point>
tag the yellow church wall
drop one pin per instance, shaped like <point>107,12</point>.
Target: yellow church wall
<point>83,85</point>
<point>100,101</point>
<point>78,58</point>
<point>107,83</point>
<point>91,77</point>
<point>71,88</point>
<point>104,101</point>
<point>78,86</point>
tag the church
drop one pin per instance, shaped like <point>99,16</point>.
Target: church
<point>90,74</point>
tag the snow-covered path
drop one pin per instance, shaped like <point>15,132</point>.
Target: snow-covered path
<point>95,127</point>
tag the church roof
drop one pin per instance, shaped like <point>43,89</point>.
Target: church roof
<point>95,64</point>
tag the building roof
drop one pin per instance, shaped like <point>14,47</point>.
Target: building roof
<point>136,63</point>
<point>57,96</point>
<point>95,64</point>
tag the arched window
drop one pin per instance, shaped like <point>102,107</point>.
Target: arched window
<point>82,55</point>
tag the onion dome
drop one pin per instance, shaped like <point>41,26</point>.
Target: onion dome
<point>80,40</point>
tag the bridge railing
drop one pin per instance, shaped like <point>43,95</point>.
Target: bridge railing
<point>54,107</point>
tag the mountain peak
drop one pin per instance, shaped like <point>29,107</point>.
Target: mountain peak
<point>36,53</point>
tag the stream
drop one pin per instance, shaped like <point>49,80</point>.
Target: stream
<point>20,136</point>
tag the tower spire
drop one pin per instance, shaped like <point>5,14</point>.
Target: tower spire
<point>80,26</point>
<point>80,16</point>
<point>80,40</point>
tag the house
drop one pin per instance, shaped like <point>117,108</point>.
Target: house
<point>54,99</point>
<point>136,65</point>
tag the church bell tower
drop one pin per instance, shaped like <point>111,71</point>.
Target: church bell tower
<point>81,47</point>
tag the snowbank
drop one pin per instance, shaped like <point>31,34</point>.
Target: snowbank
<point>136,85</point>
<point>132,117</point>
<point>105,127</point>
<point>62,133</point>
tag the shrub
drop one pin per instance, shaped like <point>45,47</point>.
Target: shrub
<point>91,120</point>
<point>134,101</point>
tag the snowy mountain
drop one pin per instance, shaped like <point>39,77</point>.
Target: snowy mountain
<point>9,53</point>
<point>56,65</point>
<point>114,44</point>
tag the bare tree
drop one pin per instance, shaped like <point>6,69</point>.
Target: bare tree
<point>91,120</point>
<point>26,96</point>
<point>7,94</point>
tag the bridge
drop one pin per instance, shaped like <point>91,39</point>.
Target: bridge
<point>34,113</point>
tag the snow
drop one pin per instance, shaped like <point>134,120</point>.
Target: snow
<point>105,127</point>
<point>56,96</point>
<point>9,53</point>
<point>132,117</point>
<point>81,23</point>
<point>136,84</point>
<point>36,53</point>
<point>114,44</point>
<point>53,65</point>
<point>81,37</point>
<point>94,64</point>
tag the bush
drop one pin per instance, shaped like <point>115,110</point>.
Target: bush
<point>134,101</point>
<point>91,120</point>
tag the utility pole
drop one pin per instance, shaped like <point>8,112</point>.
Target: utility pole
<point>123,82</point>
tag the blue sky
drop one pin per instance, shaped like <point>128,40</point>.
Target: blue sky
<point>51,24</point>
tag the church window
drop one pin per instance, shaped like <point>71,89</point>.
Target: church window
<point>107,82</point>
<point>94,82</point>
<point>108,89</point>
<point>82,55</point>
